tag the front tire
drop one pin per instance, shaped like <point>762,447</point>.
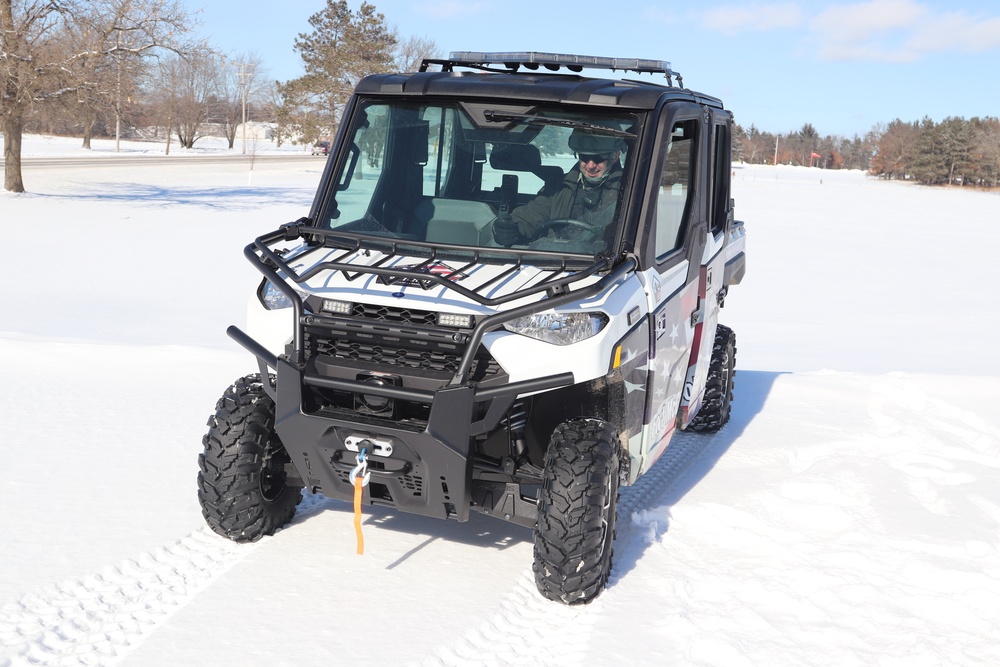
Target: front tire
<point>242,487</point>
<point>577,507</point>
<point>717,406</point>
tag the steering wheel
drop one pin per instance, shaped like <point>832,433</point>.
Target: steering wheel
<point>592,228</point>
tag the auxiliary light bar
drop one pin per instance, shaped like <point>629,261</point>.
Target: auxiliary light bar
<point>553,61</point>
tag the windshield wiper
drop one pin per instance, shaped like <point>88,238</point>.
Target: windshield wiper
<point>494,116</point>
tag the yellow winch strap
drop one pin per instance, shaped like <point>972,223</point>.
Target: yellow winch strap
<point>359,485</point>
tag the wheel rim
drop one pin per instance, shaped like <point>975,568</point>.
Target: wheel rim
<point>272,472</point>
<point>729,372</point>
<point>609,508</point>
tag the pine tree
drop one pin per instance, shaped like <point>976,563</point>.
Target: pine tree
<point>956,147</point>
<point>343,47</point>
<point>928,159</point>
<point>987,133</point>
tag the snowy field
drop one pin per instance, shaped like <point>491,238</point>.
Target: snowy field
<point>849,514</point>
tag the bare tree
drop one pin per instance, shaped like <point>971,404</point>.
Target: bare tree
<point>192,96</point>
<point>756,147</point>
<point>160,94</point>
<point>239,88</point>
<point>274,108</point>
<point>411,51</point>
<point>27,49</point>
<point>47,49</point>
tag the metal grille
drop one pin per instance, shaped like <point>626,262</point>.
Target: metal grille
<point>389,355</point>
<point>395,315</point>
<point>437,356</point>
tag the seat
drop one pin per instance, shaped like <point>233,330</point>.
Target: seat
<point>525,157</point>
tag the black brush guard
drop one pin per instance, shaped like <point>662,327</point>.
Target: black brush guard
<point>430,469</point>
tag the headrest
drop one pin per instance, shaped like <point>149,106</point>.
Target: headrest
<point>515,157</point>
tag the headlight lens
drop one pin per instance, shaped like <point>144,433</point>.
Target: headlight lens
<point>274,299</point>
<point>559,328</point>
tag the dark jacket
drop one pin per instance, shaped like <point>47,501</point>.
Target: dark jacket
<point>575,200</point>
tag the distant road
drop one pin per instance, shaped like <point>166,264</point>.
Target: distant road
<point>74,162</point>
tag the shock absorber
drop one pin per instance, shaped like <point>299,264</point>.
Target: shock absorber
<point>517,419</point>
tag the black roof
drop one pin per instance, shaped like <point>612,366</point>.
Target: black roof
<point>534,86</point>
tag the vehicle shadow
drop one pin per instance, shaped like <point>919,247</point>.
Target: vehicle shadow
<point>479,531</point>
<point>223,198</point>
<point>686,462</point>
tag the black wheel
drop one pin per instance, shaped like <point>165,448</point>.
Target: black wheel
<point>576,511</point>
<point>242,486</point>
<point>716,407</point>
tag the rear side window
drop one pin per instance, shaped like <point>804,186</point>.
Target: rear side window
<point>720,181</point>
<point>676,180</point>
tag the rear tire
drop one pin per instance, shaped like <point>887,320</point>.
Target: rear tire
<point>717,406</point>
<point>242,487</point>
<point>577,507</point>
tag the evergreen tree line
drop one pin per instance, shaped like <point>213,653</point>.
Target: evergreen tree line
<point>955,151</point>
<point>804,148</point>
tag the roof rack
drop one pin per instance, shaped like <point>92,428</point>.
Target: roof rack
<point>533,60</point>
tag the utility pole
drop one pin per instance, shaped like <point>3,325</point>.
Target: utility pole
<point>118,91</point>
<point>246,70</point>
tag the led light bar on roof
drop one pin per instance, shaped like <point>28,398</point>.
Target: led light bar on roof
<point>553,61</point>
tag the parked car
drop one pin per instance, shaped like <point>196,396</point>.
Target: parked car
<point>321,148</point>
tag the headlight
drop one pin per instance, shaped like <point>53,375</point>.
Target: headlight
<point>559,328</point>
<point>274,299</point>
<point>455,320</point>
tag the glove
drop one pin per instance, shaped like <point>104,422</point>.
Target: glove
<point>505,230</point>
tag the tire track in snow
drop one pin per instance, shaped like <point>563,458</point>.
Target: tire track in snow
<point>99,618</point>
<point>528,629</point>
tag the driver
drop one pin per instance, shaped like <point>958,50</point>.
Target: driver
<point>589,193</point>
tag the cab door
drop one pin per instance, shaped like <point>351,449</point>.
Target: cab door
<point>711,264</point>
<point>673,246</point>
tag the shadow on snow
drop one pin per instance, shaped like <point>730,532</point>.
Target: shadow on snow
<point>225,198</point>
<point>687,461</point>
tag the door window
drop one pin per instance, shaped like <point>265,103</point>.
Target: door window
<point>676,180</point>
<point>720,182</point>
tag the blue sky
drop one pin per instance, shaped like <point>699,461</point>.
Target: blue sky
<point>842,66</point>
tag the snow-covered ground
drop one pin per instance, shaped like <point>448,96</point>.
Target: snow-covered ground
<point>51,146</point>
<point>849,514</point>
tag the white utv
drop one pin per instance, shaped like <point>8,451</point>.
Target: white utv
<point>527,379</point>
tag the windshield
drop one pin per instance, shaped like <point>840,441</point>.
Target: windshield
<point>484,176</point>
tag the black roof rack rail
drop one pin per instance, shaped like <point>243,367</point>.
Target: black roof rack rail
<point>511,61</point>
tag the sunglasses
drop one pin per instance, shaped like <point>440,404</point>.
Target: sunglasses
<point>596,159</point>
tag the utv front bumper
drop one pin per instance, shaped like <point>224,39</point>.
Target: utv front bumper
<point>424,471</point>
